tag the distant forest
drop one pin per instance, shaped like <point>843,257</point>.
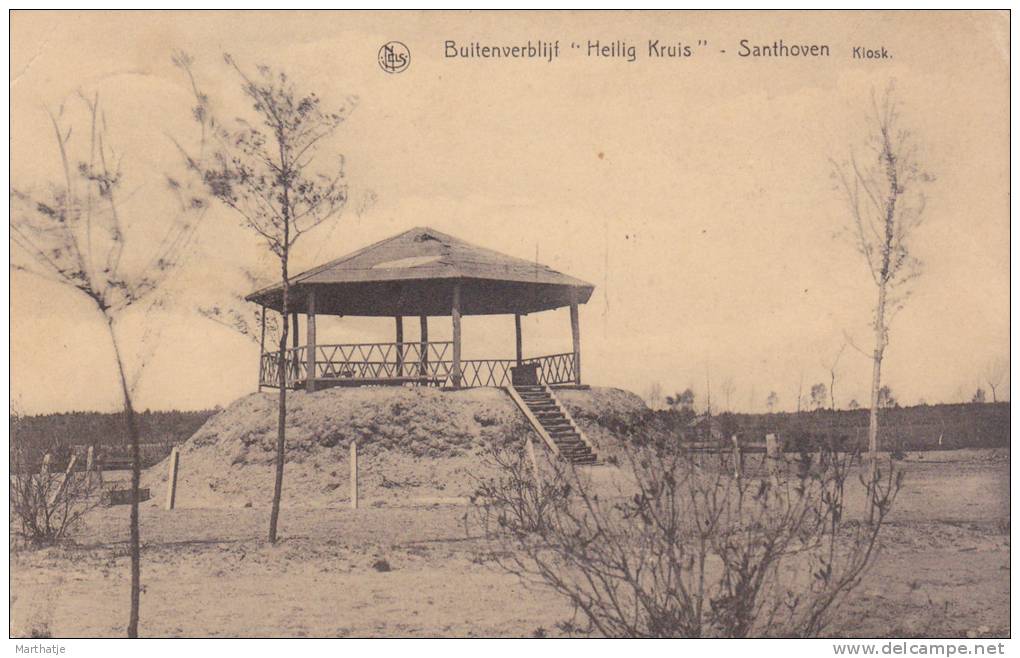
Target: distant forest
<point>922,427</point>
<point>107,429</point>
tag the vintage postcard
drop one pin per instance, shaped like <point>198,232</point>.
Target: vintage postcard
<point>511,324</point>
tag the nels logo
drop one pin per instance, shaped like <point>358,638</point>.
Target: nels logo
<point>394,57</point>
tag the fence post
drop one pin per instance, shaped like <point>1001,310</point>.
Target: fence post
<point>737,458</point>
<point>354,475</point>
<point>63,483</point>
<point>171,478</point>
<point>530,446</point>
<point>90,457</point>
<point>772,453</point>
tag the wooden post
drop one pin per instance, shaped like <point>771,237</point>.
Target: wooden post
<point>737,458</point>
<point>295,342</point>
<point>530,447</point>
<point>262,346</point>
<point>171,478</point>
<point>520,343</point>
<point>455,313</point>
<point>90,457</point>
<point>423,370</point>
<point>400,345</point>
<point>354,475</point>
<point>310,343</point>
<point>63,482</point>
<point>772,453</point>
<point>575,334</point>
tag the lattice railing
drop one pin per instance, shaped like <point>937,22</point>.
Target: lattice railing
<point>269,373</point>
<point>484,372</point>
<point>368,361</point>
<point>384,361</point>
<point>555,369</point>
<point>406,362</point>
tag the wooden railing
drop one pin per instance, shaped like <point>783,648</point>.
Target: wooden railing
<point>383,360</point>
<point>269,372</point>
<point>555,368</point>
<point>407,363</point>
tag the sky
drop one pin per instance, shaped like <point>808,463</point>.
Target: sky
<point>694,193</point>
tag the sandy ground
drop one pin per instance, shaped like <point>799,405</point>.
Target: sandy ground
<point>942,570</point>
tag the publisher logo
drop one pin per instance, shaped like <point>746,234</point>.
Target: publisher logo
<point>394,57</point>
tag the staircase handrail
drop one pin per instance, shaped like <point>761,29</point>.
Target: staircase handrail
<point>535,424</point>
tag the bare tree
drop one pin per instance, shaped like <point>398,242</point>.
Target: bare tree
<point>653,395</point>
<point>75,232</point>
<point>818,395</point>
<point>265,168</point>
<point>882,191</point>
<point>708,390</point>
<point>832,366</point>
<point>996,372</point>
<point>886,399</point>
<point>727,387</point>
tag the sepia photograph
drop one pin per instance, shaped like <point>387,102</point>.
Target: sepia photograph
<point>510,324</point>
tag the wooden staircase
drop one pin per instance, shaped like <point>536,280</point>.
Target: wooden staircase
<point>553,423</point>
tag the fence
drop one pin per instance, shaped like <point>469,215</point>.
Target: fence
<point>405,362</point>
<point>106,458</point>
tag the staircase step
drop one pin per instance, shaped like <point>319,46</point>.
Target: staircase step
<point>555,422</point>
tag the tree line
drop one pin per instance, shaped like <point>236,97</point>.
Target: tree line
<point>106,429</point>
